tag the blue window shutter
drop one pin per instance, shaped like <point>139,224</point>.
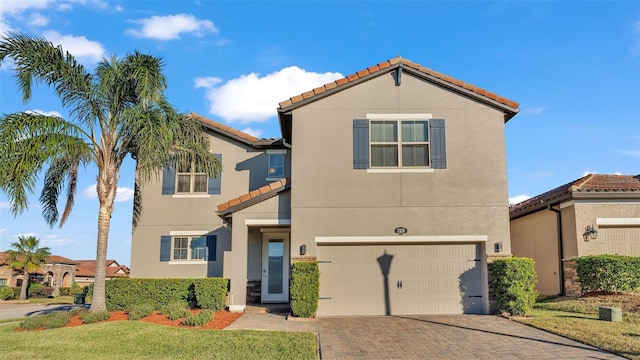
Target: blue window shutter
<point>360,144</point>
<point>438,144</point>
<point>215,184</point>
<point>169,180</point>
<point>211,247</point>
<point>165,248</point>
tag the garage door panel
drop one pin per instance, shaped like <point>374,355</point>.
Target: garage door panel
<point>436,279</point>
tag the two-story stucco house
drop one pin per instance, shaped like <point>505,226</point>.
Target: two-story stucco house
<point>393,178</point>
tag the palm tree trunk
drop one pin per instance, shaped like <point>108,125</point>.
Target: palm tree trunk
<point>106,187</point>
<point>25,285</point>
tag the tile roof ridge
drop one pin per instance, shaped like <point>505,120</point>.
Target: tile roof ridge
<point>275,186</point>
<point>580,183</point>
<point>389,63</point>
<point>225,128</point>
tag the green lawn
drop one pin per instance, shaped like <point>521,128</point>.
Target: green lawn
<point>578,319</point>
<point>140,340</point>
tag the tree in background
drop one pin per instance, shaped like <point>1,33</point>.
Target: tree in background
<point>25,256</point>
<point>118,110</point>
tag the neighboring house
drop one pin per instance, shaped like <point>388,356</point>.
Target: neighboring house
<point>57,272</point>
<point>86,271</point>
<point>596,214</point>
<point>393,178</point>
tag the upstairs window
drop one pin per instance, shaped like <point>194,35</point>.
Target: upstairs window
<point>191,181</point>
<point>275,166</point>
<point>397,143</point>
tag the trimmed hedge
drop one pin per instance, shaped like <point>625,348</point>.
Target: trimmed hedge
<point>305,288</point>
<point>608,273</point>
<point>207,293</point>
<point>513,282</point>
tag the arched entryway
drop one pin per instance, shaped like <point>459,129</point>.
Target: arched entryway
<point>66,280</point>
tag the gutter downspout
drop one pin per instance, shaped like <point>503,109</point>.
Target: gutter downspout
<point>560,245</point>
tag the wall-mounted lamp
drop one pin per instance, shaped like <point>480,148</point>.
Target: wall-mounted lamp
<point>303,249</point>
<point>590,232</point>
<point>497,247</point>
<point>401,230</point>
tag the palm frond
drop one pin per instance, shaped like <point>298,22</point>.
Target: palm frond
<point>137,203</point>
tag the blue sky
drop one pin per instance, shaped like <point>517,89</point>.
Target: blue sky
<point>573,66</point>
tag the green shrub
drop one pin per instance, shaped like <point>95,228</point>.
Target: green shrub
<point>200,319</point>
<point>608,273</point>
<point>137,312</point>
<point>65,291</point>
<point>75,289</point>
<point>16,292</point>
<point>40,292</point>
<point>80,312</point>
<point>210,294</point>
<point>121,294</point>
<point>91,317</point>
<point>52,320</point>
<point>305,288</point>
<point>175,311</point>
<point>6,293</point>
<point>513,282</point>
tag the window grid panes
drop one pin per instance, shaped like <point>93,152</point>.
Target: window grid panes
<point>190,182</point>
<point>408,147</point>
<point>276,165</point>
<point>189,248</point>
<point>3,282</point>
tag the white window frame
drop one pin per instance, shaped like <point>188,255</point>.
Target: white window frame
<point>281,152</point>
<point>192,181</point>
<point>398,118</point>
<point>189,235</point>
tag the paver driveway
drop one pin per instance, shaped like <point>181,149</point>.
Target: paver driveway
<point>444,337</point>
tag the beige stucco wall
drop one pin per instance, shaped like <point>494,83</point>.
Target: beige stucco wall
<point>607,241</point>
<point>535,236</point>
<point>330,198</point>
<point>244,168</point>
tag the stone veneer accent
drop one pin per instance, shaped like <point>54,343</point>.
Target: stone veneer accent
<point>571,281</point>
<point>254,292</point>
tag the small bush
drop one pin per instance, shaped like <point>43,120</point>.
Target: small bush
<point>75,289</point>
<point>6,293</point>
<point>40,292</point>
<point>52,320</point>
<point>514,281</point>
<point>80,312</point>
<point>65,291</point>
<point>138,312</point>
<point>608,273</point>
<point>305,288</point>
<point>175,311</point>
<point>92,317</point>
<point>200,319</point>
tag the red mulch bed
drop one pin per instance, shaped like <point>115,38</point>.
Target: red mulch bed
<point>221,320</point>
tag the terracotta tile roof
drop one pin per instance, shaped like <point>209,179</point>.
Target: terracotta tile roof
<point>4,258</point>
<point>388,65</point>
<point>253,197</point>
<point>87,268</point>
<point>56,259</point>
<point>224,128</point>
<point>593,184</point>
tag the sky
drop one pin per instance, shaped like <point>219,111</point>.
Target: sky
<point>574,67</point>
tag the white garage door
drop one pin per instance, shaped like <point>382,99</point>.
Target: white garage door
<point>420,279</point>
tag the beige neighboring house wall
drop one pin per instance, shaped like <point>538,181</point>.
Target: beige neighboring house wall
<point>608,203</point>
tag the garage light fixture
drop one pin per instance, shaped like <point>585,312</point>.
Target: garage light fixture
<point>590,232</point>
<point>498,247</point>
<point>400,230</point>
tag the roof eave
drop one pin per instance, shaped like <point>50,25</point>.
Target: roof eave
<point>226,214</point>
<point>576,195</point>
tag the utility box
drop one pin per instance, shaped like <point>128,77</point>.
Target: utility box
<point>610,313</point>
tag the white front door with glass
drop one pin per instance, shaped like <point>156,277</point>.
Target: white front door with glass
<point>275,267</point>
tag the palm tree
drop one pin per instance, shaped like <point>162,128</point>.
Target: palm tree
<point>27,257</point>
<point>118,110</point>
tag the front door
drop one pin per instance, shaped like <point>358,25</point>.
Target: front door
<point>275,267</point>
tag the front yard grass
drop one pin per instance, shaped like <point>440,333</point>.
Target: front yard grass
<point>140,340</point>
<point>578,319</point>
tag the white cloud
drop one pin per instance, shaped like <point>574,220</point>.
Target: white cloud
<point>37,19</point>
<point>122,193</point>
<point>251,131</point>
<point>518,199</point>
<point>16,236</point>
<point>5,204</point>
<point>170,27</point>
<point>588,172</point>
<point>3,230</point>
<point>534,111</point>
<point>45,113</point>
<point>57,240</point>
<point>206,82</point>
<point>85,51</point>
<point>632,153</point>
<point>251,98</point>
<point>18,6</point>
